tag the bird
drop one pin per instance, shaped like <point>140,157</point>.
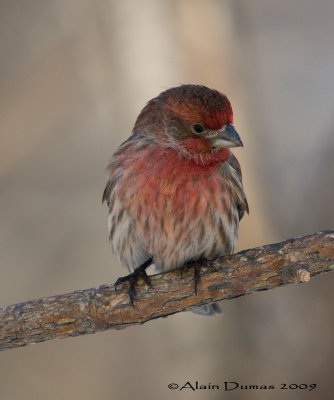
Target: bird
<point>174,192</point>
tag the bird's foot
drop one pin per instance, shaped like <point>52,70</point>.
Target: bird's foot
<point>139,272</point>
<point>196,265</point>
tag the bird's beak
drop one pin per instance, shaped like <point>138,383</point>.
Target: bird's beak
<point>226,137</point>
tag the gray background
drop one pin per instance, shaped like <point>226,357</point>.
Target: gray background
<point>73,76</point>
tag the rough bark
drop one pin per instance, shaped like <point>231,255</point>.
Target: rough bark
<point>92,310</point>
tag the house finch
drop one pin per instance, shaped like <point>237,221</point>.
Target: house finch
<point>174,191</point>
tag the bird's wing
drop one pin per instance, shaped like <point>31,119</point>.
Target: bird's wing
<point>115,171</point>
<point>239,194</point>
<point>125,243</point>
<point>109,191</point>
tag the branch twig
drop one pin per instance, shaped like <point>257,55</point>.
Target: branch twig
<point>92,310</point>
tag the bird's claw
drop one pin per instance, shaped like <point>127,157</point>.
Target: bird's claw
<point>133,278</point>
<point>196,265</point>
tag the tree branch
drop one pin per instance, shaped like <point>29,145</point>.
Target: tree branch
<point>92,310</point>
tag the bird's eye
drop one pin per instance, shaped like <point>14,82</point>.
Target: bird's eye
<point>198,128</point>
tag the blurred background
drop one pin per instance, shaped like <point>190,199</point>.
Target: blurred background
<point>73,77</point>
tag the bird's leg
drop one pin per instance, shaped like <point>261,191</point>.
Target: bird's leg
<point>139,272</point>
<point>197,276</point>
<point>196,265</point>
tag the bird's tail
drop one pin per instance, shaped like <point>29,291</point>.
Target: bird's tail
<point>208,309</point>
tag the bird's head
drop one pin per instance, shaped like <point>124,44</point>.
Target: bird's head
<point>193,117</point>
